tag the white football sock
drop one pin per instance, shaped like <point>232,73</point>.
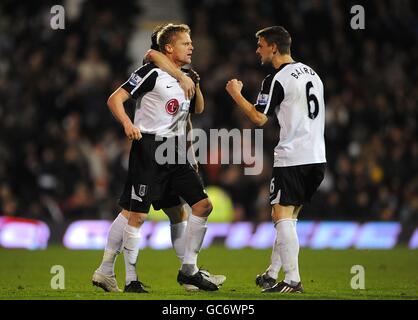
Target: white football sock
<point>276,262</point>
<point>297,264</point>
<point>288,244</point>
<point>178,238</point>
<point>131,239</point>
<point>194,235</point>
<point>113,245</point>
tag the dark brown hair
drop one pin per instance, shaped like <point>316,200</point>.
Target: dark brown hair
<point>278,35</point>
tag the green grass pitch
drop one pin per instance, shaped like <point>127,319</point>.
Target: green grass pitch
<point>391,274</point>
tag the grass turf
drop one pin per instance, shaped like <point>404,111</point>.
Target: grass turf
<point>325,274</point>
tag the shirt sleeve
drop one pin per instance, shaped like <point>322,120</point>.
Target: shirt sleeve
<point>270,96</point>
<point>141,81</point>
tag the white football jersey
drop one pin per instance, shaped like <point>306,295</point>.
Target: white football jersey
<point>295,93</point>
<point>161,106</point>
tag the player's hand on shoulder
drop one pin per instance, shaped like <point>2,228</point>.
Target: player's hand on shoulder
<point>188,86</point>
<point>149,56</point>
<point>194,76</point>
<point>132,132</point>
<point>234,86</point>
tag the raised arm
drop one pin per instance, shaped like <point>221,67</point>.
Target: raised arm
<point>115,104</point>
<point>234,87</point>
<point>165,64</point>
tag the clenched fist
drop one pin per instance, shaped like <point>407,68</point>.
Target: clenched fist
<point>234,87</point>
<point>132,132</point>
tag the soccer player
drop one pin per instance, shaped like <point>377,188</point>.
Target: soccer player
<point>171,205</point>
<point>161,109</point>
<point>177,214</point>
<point>295,94</point>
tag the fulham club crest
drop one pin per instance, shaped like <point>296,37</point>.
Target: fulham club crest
<point>142,190</point>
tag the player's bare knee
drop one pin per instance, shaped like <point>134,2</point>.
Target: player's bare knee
<point>183,214</point>
<point>125,213</point>
<point>275,216</point>
<point>176,214</point>
<point>296,211</point>
<point>281,212</point>
<point>137,219</point>
<point>203,208</point>
<point>207,207</point>
<point>175,218</point>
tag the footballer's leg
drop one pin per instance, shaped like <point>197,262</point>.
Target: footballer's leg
<point>295,220</point>
<point>296,212</point>
<point>269,277</point>
<point>130,270</point>
<point>104,276</point>
<point>195,233</point>
<point>188,185</point>
<point>288,245</point>
<point>131,238</point>
<point>178,222</point>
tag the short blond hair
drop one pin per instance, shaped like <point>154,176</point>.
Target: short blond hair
<point>167,33</point>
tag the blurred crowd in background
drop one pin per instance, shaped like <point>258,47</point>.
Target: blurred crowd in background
<point>63,156</point>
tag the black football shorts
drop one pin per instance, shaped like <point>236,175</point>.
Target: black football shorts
<point>295,185</point>
<point>161,185</point>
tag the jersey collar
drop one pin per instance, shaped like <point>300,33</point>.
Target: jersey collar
<point>285,64</point>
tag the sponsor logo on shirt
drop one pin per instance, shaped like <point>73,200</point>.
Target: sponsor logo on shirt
<point>185,106</point>
<point>172,106</point>
<point>134,79</point>
<point>262,99</point>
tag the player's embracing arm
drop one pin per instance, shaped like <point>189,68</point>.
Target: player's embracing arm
<point>269,97</point>
<point>165,64</point>
<point>189,83</point>
<point>141,81</point>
